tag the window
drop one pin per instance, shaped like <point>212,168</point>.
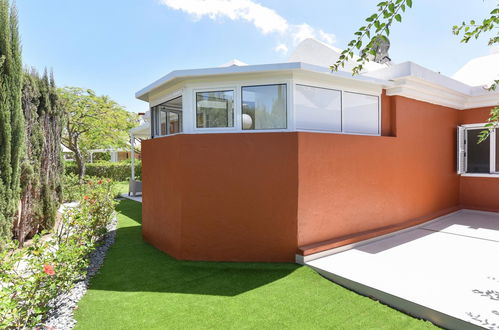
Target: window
<point>317,108</point>
<point>264,107</point>
<point>174,122</point>
<point>215,109</point>
<point>474,157</point>
<point>167,117</point>
<point>162,122</point>
<point>360,113</point>
<point>323,109</point>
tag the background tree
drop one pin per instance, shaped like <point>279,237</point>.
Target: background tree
<point>11,117</point>
<point>93,122</point>
<point>42,166</point>
<point>378,26</point>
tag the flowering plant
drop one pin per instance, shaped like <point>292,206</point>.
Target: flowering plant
<point>53,261</point>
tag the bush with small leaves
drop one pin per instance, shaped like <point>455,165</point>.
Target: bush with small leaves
<point>50,265</point>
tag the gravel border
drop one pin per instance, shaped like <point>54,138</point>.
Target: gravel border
<point>60,315</point>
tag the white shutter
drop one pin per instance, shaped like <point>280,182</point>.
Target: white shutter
<point>461,150</point>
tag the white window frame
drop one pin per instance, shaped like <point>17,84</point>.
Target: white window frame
<point>341,109</point>
<point>378,133</point>
<point>155,117</point>
<point>342,91</point>
<point>288,112</point>
<point>236,119</point>
<point>462,153</point>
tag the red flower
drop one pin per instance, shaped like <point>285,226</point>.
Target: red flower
<point>99,182</point>
<point>86,198</point>
<point>49,270</point>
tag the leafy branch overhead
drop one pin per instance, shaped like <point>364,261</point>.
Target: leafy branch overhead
<point>377,29</point>
<point>473,30</point>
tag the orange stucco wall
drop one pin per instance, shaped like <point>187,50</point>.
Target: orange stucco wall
<point>350,184</point>
<point>260,196</point>
<point>228,197</point>
<point>478,193</point>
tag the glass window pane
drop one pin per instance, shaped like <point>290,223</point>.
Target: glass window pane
<point>154,113</point>
<point>360,113</point>
<point>317,108</point>
<point>162,123</point>
<point>264,107</point>
<point>215,109</point>
<point>478,154</point>
<point>174,122</point>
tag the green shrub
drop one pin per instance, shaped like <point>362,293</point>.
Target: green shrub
<point>50,266</point>
<point>73,190</point>
<point>117,171</point>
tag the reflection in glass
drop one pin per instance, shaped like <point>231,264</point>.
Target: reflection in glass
<point>478,157</point>
<point>360,113</point>
<point>162,123</point>
<point>215,109</point>
<point>317,108</point>
<point>264,107</point>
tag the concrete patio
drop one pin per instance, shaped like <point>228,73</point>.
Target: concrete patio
<point>445,271</point>
<point>137,198</point>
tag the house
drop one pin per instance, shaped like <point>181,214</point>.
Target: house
<point>273,161</point>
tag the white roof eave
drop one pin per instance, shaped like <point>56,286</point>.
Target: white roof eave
<point>261,68</point>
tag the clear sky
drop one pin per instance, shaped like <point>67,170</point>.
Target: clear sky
<point>117,47</point>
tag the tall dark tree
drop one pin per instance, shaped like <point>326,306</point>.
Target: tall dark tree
<point>42,167</point>
<point>11,117</point>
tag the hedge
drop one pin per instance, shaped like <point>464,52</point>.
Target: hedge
<point>116,171</point>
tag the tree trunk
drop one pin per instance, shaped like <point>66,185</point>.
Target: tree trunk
<point>80,162</point>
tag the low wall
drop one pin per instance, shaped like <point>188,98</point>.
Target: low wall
<point>355,184</point>
<point>229,197</point>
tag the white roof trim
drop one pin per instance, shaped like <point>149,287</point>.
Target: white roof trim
<point>405,79</point>
<point>260,68</point>
<point>416,82</point>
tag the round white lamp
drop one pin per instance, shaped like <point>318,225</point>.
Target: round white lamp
<point>247,121</point>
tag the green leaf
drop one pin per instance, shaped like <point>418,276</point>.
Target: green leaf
<point>409,3</point>
<point>398,18</point>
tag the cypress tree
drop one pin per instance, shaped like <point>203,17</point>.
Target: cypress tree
<point>42,165</point>
<point>11,118</point>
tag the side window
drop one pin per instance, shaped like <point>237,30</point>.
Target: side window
<point>360,113</point>
<point>317,108</point>
<point>264,107</point>
<point>166,118</point>
<point>215,109</point>
<point>478,154</point>
<point>474,157</point>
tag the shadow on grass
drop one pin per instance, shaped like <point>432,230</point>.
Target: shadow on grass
<point>133,265</point>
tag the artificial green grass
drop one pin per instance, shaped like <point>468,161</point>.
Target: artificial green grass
<point>140,287</point>
<point>120,187</point>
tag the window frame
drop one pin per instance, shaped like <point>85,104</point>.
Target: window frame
<point>155,118</point>
<point>236,119</point>
<point>286,108</point>
<point>378,133</point>
<point>342,90</point>
<point>462,153</point>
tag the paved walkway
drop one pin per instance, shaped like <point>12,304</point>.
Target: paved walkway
<point>133,198</point>
<point>446,271</point>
